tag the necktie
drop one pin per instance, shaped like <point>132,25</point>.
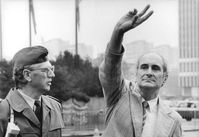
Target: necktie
<point>145,106</point>
<point>38,110</point>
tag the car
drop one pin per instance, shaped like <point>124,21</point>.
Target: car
<point>188,104</point>
<point>188,109</point>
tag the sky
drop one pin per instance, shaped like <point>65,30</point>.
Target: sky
<point>56,20</point>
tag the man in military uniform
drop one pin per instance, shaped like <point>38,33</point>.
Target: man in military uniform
<point>36,115</point>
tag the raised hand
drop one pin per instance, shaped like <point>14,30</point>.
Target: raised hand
<point>132,19</point>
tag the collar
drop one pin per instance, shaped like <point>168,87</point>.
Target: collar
<point>160,104</point>
<point>152,104</point>
<point>18,103</point>
<point>163,107</point>
<point>135,89</point>
<point>28,99</point>
<point>47,102</point>
<point>16,100</point>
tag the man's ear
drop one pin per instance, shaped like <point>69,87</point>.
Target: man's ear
<point>165,75</point>
<point>27,74</point>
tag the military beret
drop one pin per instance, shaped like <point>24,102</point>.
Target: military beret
<point>29,56</point>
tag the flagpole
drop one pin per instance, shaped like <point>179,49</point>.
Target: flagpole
<point>76,27</point>
<point>30,29</point>
<point>33,18</point>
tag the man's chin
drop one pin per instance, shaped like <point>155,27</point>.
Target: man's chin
<point>148,85</point>
<point>47,89</point>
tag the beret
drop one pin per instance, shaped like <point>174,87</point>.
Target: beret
<point>29,56</point>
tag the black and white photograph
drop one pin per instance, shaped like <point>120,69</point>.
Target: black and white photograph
<point>99,68</point>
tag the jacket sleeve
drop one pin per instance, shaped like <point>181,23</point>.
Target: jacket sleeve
<point>111,77</point>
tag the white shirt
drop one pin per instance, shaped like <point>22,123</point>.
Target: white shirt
<point>29,100</point>
<point>149,127</point>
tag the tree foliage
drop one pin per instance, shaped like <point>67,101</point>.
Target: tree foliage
<point>74,75</point>
<point>6,81</point>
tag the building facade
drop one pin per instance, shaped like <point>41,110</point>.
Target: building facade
<point>189,47</point>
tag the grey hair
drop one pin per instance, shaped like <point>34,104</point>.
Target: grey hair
<point>18,77</point>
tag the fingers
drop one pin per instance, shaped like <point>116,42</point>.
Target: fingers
<point>144,11</point>
<point>134,12</point>
<point>134,20</point>
<point>140,20</point>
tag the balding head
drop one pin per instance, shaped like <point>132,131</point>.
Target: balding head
<point>164,63</point>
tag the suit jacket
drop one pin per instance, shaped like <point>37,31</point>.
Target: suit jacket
<point>124,107</point>
<point>26,119</point>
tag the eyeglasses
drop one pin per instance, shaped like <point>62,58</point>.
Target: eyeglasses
<point>48,71</point>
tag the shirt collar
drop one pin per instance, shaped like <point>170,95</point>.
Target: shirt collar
<point>152,103</point>
<point>28,99</point>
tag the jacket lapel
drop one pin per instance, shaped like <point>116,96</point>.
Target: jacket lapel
<point>28,113</point>
<point>136,110</point>
<point>46,106</point>
<point>18,104</point>
<point>164,122</point>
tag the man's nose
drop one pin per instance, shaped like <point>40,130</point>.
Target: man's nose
<point>149,71</point>
<point>52,74</point>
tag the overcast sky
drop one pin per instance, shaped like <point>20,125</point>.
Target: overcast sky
<point>55,19</point>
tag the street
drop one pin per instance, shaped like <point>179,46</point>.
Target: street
<point>190,129</point>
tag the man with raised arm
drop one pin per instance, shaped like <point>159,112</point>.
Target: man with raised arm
<point>134,109</point>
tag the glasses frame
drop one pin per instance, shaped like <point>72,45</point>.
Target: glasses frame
<point>48,71</point>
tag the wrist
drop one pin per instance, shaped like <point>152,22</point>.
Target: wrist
<point>116,43</point>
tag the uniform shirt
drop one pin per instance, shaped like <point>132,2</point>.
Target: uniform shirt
<point>149,127</point>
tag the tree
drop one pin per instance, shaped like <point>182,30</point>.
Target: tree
<point>6,81</point>
<point>74,76</point>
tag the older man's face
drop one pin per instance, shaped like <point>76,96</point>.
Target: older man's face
<point>150,71</point>
<point>41,76</point>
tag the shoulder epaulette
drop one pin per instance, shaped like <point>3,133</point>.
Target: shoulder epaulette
<point>59,101</point>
